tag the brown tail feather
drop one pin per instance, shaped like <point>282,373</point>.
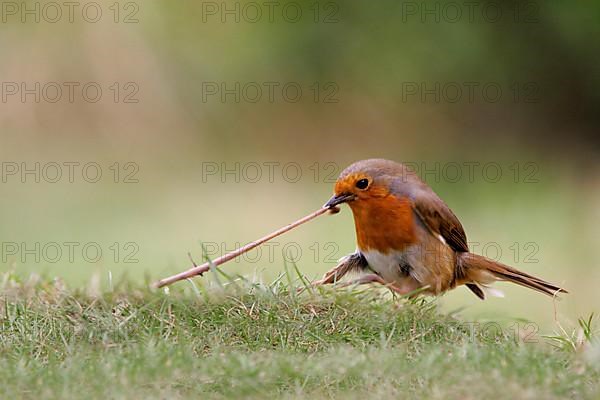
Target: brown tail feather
<point>476,269</point>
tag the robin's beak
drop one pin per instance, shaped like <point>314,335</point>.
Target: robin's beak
<point>339,199</point>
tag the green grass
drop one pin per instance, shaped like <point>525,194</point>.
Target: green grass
<point>256,341</point>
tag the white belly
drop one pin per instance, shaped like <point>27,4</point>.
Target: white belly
<point>388,266</point>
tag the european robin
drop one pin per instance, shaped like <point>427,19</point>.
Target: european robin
<point>409,240</point>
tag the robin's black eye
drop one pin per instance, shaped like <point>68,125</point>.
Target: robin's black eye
<point>362,184</point>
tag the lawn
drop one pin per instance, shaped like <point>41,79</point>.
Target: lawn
<point>238,339</point>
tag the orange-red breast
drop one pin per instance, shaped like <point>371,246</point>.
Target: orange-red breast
<point>409,239</point>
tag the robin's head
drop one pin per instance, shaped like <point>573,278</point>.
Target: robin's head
<point>364,180</point>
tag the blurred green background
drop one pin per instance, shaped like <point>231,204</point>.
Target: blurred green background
<point>386,79</point>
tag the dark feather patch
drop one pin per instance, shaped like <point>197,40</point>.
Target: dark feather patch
<point>405,268</point>
<point>477,290</point>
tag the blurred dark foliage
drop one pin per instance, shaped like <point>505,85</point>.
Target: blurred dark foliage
<point>376,47</point>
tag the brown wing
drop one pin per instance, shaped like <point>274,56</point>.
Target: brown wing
<point>432,211</point>
<point>439,219</point>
